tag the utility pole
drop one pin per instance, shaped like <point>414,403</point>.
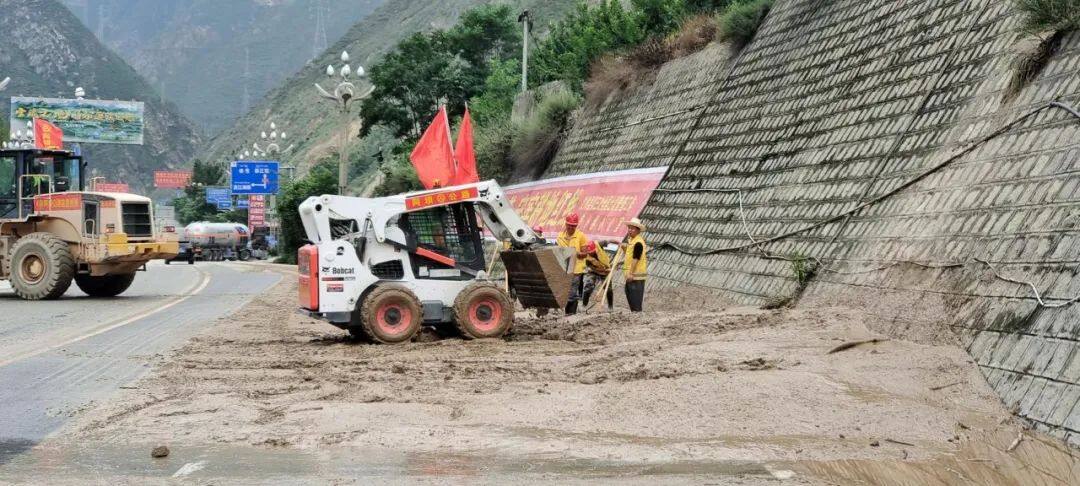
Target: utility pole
<point>526,22</point>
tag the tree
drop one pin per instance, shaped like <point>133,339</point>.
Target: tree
<point>660,17</point>
<point>440,67</point>
<point>192,206</point>
<point>321,180</point>
<point>581,38</point>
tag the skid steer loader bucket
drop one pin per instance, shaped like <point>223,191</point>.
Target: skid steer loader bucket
<point>540,278</point>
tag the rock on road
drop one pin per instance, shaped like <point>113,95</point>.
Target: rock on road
<point>60,357</point>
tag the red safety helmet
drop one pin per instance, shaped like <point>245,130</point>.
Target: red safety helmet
<point>573,219</point>
<point>538,229</point>
<point>590,247</point>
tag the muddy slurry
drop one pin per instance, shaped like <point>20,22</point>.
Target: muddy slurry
<point>691,390</point>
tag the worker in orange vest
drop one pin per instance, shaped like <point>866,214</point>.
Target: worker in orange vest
<point>570,237</point>
<point>598,263</point>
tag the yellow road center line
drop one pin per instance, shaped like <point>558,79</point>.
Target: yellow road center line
<point>198,287</point>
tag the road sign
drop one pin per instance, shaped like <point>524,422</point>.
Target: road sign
<point>219,196</point>
<point>242,202</point>
<point>172,179</point>
<point>254,177</point>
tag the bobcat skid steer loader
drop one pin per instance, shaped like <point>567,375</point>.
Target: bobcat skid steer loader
<point>384,267</point>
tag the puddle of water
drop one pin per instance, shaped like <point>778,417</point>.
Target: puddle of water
<point>992,460</point>
<point>252,464</point>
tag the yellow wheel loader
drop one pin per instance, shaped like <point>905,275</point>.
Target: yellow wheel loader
<point>384,267</point>
<point>53,232</point>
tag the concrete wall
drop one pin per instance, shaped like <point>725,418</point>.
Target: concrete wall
<point>837,103</point>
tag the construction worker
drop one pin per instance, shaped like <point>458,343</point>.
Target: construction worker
<point>635,264</point>
<point>598,265</point>
<point>570,237</point>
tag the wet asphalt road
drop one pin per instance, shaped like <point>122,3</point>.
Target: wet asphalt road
<point>60,357</point>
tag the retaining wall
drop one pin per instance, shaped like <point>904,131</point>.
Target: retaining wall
<point>902,105</point>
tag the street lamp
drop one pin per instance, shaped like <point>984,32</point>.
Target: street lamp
<point>344,93</point>
<point>21,139</point>
<point>273,147</point>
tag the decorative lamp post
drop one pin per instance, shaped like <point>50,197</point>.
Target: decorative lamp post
<point>344,93</point>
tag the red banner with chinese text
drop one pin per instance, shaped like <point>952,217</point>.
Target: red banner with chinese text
<point>112,187</point>
<point>256,211</point>
<point>604,200</point>
<point>48,136</point>
<point>172,180</point>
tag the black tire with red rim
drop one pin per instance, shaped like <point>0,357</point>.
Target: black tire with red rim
<point>390,314</point>
<point>483,310</point>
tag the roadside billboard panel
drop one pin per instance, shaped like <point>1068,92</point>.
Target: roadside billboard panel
<point>219,196</point>
<point>164,179</point>
<point>112,187</point>
<point>86,121</point>
<point>603,200</point>
<point>256,211</point>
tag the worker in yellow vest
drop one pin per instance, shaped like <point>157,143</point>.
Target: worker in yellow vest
<point>635,264</point>
<point>570,237</point>
<point>598,264</point>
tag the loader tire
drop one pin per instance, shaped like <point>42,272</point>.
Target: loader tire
<point>42,267</point>
<point>390,314</point>
<point>104,286</point>
<point>483,310</point>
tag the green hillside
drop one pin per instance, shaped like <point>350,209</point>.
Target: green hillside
<point>55,53</point>
<point>313,124</point>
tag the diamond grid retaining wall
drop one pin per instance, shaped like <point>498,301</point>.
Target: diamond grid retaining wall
<point>836,103</point>
<point>645,128</point>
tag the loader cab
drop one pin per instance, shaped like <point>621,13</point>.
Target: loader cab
<point>25,173</point>
<point>445,237</point>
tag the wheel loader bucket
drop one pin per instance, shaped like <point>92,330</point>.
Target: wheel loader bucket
<point>540,278</point>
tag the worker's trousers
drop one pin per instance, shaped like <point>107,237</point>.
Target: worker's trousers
<point>635,295</point>
<point>576,288</point>
<point>592,281</point>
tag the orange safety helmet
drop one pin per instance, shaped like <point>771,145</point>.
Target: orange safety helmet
<point>573,219</point>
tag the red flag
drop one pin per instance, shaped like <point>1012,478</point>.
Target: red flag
<point>433,156</point>
<point>47,136</point>
<point>466,154</point>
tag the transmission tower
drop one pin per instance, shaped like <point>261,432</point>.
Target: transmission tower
<point>246,102</point>
<point>318,44</point>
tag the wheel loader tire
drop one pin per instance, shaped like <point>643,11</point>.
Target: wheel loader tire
<point>390,314</point>
<point>42,267</point>
<point>483,310</point>
<point>104,286</point>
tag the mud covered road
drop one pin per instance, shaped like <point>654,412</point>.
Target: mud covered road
<point>692,391</point>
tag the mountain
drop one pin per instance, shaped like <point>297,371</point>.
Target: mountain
<point>215,58</point>
<point>314,125</point>
<point>48,52</point>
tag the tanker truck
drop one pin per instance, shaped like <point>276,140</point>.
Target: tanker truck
<point>216,242</point>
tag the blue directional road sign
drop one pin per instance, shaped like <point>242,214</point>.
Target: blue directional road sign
<point>219,196</point>
<point>242,202</point>
<point>254,177</point>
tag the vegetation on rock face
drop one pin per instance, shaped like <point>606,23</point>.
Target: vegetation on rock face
<point>322,179</point>
<point>50,52</point>
<point>1049,15</point>
<point>740,21</point>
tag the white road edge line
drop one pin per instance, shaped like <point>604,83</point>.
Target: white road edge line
<point>187,295</point>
